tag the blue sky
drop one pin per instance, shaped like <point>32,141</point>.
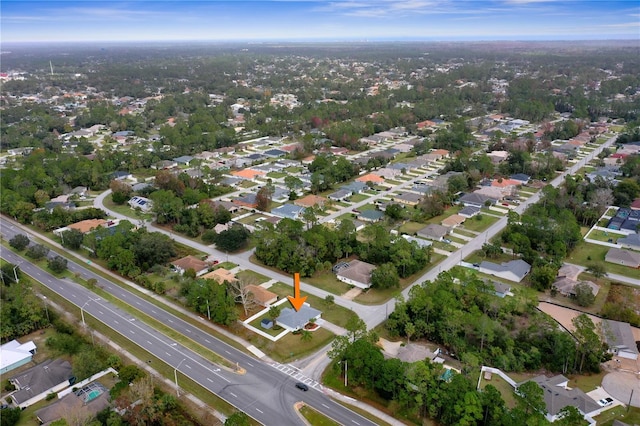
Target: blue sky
<point>139,20</point>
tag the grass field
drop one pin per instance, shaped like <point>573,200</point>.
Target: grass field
<point>587,253</point>
<point>327,281</point>
<point>316,418</point>
<point>479,225</point>
<point>631,416</point>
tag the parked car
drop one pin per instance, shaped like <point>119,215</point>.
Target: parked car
<point>605,401</point>
<point>476,265</point>
<point>446,240</point>
<point>302,386</point>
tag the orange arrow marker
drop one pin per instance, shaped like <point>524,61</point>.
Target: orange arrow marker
<point>296,300</point>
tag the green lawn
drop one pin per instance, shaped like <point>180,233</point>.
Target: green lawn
<point>479,225</point>
<point>316,418</point>
<point>333,313</point>
<point>277,175</point>
<point>375,296</point>
<point>291,347</point>
<point>326,280</point>
<point>605,236</point>
<point>632,416</point>
<point>126,210</point>
<point>356,198</point>
<point>273,331</point>
<point>252,276</point>
<point>411,227</point>
<point>586,253</point>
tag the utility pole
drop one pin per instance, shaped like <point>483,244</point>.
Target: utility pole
<point>175,375</point>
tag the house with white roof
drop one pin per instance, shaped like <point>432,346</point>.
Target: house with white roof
<point>14,354</point>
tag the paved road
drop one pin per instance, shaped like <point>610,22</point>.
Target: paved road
<point>264,392</point>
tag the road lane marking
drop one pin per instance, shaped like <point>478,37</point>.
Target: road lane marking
<point>101,313</point>
<point>249,364</point>
<point>207,340</point>
<point>209,379</point>
<point>132,332</point>
<point>228,352</point>
<point>187,330</point>
<point>149,342</point>
<point>116,321</point>
<point>326,406</point>
<point>233,394</point>
<point>355,422</point>
<point>168,353</point>
<point>260,411</point>
<point>170,320</point>
<point>188,366</point>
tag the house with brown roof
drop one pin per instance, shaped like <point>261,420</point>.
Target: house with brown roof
<point>453,221</point>
<point>221,275</point>
<point>190,262</point>
<point>357,273</point>
<point>261,295</point>
<point>370,177</point>
<point>310,201</point>
<point>623,257</point>
<point>88,225</point>
<point>249,174</point>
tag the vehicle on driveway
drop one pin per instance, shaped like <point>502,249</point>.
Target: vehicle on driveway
<point>302,386</point>
<point>605,401</point>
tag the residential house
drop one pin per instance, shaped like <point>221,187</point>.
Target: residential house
<point>248,201</point>
<point>631,241</point>
<point>340,195</point>
<point>142,203</point>
<point>408,198</point>
<point>288,211</point>
<point>80,191</point>
<point>221,275</point>
<point>469,211</point>
<point>521,177</point>
<point>164,165</point>
<point>370,215</point>
<point>248,174</point>
<point>310,201</point>
<point>36,383</point>
<point>218,204</point>
<point>261,295</point>
<point>190,262</point>
<point>453,221</point>
<point>620,339</point>
<point>623,257</point>
<point>558,395</point>
<point>355,187</point>
<point>357,273</point>
<point>476,200</point>
<point>275,153</point>
<point>84,403</point>
<point>498,157</point>
<point>501,289</point>
<point>370,177</point>
<point>184,159</point>
<point>121,175</point>
<point>14,354</point>
<point>293,320</point>
<point>567,286</point>
<point>419,241</point>
<point>388,172</point>
<point>85,226</point>
<point>514,270</point>
<point>433,232</point>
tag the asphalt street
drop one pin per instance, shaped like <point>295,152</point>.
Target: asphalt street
<point>264,392</point>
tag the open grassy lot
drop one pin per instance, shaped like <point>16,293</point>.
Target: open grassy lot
<point>587,253</point>
<point>630,416</point>
<point>326,280</point>
<point>333,313</point>
<point>252,277</point>
<point>356,198</point>
<point>277,175</point>
<point>411,227</point>
<point>126,210</point>
<point>291,347</point>
<point>478,225</point>
<point>375,296</point>
<point>606,236</point>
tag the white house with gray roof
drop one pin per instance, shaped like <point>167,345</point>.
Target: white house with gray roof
<point>514,270</point>
<point>293,320</point>
<point>357,274</point>
<point>620,339</point>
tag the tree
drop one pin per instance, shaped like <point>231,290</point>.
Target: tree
<point>385,276</point>
<point>120,191</point>
<point>242,294</point>
<point>72,239</point>
<point>37,251</point>
<point>9,273</point>
<point>356,328</point>
<point>583,294</point>
<point>306,336</point>
<point>597,269</point>
<point>238,419</point>
<point>263,197</point>
<point>530,398</point>
<point>590,349</point>
<point>274,312</point>
<point>394,211</point>
<point>570,416</point>
<point>233,238</point>
<point>19,242</point>
<point>57,264</point>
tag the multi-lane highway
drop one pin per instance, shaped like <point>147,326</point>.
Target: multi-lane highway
<point>264,392</point>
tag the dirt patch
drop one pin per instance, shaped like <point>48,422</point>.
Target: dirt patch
<point>564,315</point>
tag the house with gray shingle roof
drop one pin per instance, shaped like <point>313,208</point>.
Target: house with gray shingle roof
<point>37,382</point>
<point>558,395</point>
<point>293,320</point>
<point>433,232</point>
<point>631,241</point>
<point>288,211</point>
<point>623,257</point>
<point>357,273</point>
<point>619,336</point>
<point>514,270</point>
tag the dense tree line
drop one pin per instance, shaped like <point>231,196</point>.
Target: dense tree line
<point>291,248</point>
<point>424,390</point>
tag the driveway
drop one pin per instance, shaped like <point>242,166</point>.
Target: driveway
<point>620,385</point>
